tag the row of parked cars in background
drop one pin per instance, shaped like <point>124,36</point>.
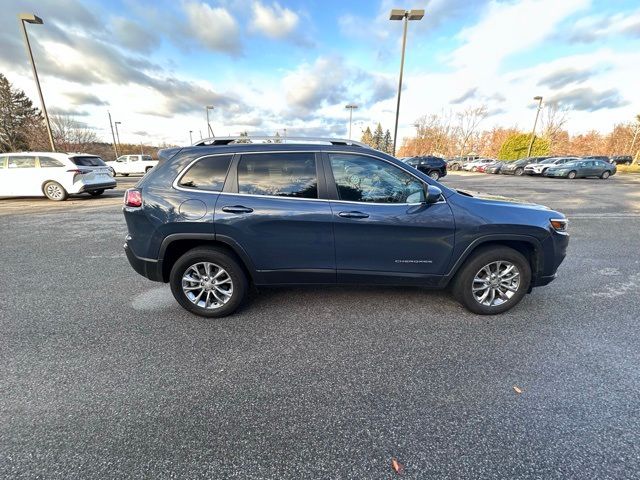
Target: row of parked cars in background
<point>559,166</point>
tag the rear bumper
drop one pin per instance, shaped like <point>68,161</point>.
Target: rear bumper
<point>147,267</point>
<point>89,187</point>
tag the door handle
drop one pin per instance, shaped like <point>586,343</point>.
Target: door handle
<point>237,209</point>
<point>353,215</point>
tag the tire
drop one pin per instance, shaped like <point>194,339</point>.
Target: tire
<point>475,266</point>
<point>54,191</point>
<point>434,175</point>
<point>96,193</point>
<point>519,171</point>
<point>124,174</point>
<point>218,260</point>
<point>146,170</point>
<point>627,163</point>
<point>606,174</point>
<point>571,175</point>
<point>455,167</point>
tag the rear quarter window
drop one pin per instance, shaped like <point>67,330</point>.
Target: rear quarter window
<point>208,173</point>
<point>48,162</point>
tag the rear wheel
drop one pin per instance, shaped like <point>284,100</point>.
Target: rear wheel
<point>571,175</point>
<point>208,282</point>
<point>147,169</point>
<point>54,191</point>
<point>95,193</point>
<point>605,175</point>
<point>493,280</point>
<point>519,171</point>
<point>455,167</point>
<point>434,174</point>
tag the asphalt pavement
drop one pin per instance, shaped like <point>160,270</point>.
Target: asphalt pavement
<point>103,375</point>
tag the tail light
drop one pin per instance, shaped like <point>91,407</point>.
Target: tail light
<point>133,198</point>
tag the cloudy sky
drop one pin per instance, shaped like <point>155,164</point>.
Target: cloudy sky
<point>269,65</point>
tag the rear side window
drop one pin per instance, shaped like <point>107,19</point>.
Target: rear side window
<point>147,158</point>
<point>48,162</point>
<point>278,174</point>
<point>88,161</point>
<point>21,162</point>
<point>207,173</point>
<point>3,162</point>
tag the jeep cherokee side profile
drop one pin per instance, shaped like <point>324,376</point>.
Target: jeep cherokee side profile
<point>212,218</point>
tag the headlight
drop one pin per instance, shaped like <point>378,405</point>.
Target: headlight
<point>559,224</point>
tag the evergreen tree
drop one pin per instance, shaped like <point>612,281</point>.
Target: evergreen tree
<point>367,137</point>
<point>378,138</point>
<point>17,117</point>
<point>387,143</point>
<point>277,139</point>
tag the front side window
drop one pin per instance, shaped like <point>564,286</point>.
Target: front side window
<point>366,179</point>
<point>48,162</point>
<point>278,174</point>
<point>122,159</point>
<point>207,173</point>
<point>22,162</point>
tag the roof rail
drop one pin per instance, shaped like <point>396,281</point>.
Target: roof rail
<point>271,139</point>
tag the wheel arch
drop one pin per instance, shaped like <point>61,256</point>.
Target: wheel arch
<point>530,247</point>
<point>174,246</point>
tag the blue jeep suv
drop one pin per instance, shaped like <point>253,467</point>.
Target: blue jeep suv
<point>212,218</point>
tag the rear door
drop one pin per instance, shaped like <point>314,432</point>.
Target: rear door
<point>384,232</point>
<point>272,209</point>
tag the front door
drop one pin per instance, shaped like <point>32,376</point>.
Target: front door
<point>384,231</point>
<point>273,211</point>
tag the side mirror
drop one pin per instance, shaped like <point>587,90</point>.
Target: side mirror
<point>433,194</point>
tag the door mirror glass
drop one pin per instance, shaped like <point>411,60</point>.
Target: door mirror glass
<point>433,194</point>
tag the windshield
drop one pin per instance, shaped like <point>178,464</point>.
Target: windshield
<point>549,160</point>
<point>88,161</point>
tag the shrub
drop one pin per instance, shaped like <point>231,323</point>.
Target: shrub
<point>517,145</point>
<point>634,168</point>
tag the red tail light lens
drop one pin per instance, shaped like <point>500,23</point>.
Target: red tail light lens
<point>133,198</point>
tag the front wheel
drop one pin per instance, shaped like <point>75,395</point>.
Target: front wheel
<point>493,280</point>
<point>605,175</point>
<point>54,191</point>
<point>571,175</point>
<point>208,282</point>
<point>519,171</point>
<point>455,167</point>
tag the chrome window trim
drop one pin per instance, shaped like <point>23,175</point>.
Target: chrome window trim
<point>176,182</point>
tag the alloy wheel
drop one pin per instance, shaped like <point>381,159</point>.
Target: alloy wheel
<point>495,283</point>
<point>207,285</point>
<point>54,191</point>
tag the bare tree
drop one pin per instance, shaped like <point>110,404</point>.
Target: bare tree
<point>469,120</point>
<point>554,119</point>
<point>71,135</point>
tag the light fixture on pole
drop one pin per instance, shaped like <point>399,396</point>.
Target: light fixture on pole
<point>538,98</point>
<point>351,107</point>
<point>191,137</point>
<point>209,129</point>
<point>118,133</point>
<point>405,15</point>
<point>35,20</point>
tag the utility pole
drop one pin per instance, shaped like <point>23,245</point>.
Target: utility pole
<point>118,133</point>
<point>190,137</point>
<point>351,107</point>
<point>210,130</point>
<point>33,19</point>
<point>141,151</point>
<point>535,123</point>
<point>115,147</point>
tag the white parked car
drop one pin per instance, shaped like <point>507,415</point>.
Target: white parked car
<point>128,164</point>
<point>541,167</point>
<point>53,175</point>
<point>473,166</point>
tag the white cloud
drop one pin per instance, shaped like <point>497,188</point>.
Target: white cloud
<point>214,27</point>
<point>593,27</point>
<point>273,21</point>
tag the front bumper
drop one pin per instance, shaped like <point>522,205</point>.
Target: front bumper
<point>147,267</point>
<point>555,174</point>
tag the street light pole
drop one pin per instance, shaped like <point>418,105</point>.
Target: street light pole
<point>31,18</point>
<point>405,16</point>
<point>115,147</point>
<point>209,129</point>
<point>118,133</point>
<point>351,107</point>
<point>191,137</point>
<point>535,123</point>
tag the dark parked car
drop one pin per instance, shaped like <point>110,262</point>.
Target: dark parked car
<point>582,169</point>
<point>604,158</point>
<point>434,167</point>
<point>212,218</point>
<point>517,167</point>
<point>622,160</point>
<point>494,167</point>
